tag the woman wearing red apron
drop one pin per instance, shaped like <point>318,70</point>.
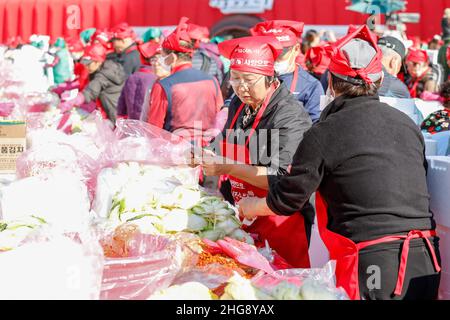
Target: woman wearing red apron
<point>372,203</point>
<point>265,125</point>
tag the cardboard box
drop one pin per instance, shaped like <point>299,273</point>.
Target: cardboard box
<point>12,144</point>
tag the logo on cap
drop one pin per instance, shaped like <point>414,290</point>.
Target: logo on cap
<point>283,38</point>
<point>256,63</point>
<point>274,31</point>
<point>244,50</point>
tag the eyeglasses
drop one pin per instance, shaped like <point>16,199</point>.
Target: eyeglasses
<point>246,84</point>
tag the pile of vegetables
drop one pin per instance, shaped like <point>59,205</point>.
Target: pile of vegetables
<point>159,201</point>
<point>186,291</point>
<point>13,233</point>
<point>240,288</point>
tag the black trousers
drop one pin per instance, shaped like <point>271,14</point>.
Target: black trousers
<point>378,271</point>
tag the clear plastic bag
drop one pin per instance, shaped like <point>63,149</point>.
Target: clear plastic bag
<point>52,266</point>
<point>93,139</point>
<point>43,159</point>
<point>135,144</point>
<point>141,142</point>
<point>307,284</point>
<point>41,102</point>
<point>56,158</point>
<point>212,276</point>
<point>152,263</point>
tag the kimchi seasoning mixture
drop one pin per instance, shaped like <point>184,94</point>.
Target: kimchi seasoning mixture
<point>117,246</point>
<point>206,258</point>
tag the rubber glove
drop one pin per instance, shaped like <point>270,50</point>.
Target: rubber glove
<point>245,254</point>
<point>430,96</point>
<point>88,106</point>
<point>70,104</point>
<point>66,86</point>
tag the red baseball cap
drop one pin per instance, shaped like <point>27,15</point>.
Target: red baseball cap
<point>318,58</point>
<point>149,49</point>
<point>417,55</point>
<point>102,35</point>
<point>252,54</point>
<point>123,31</point>
<point>355,56</point>
<point>75,45</point>
<point>181,33</point>
<point>197,32</point>
<point>287,32</point>
<point>94,52</point>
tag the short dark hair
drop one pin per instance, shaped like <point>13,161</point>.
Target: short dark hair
<point>351,90</point>
<point>270,79</point>
<point>311,34</point>
<point>434,41</point>
<point>183,56</point>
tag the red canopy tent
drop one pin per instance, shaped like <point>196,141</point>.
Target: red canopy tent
<point>59,17</point>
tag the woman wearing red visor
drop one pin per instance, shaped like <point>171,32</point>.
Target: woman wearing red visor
<point>422,77</point>
<point>366,160</point>
<point>265,125</point>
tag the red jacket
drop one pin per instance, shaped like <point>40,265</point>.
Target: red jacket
<point>185,103</point>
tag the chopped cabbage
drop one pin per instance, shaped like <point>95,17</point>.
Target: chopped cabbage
<point>186,291</point>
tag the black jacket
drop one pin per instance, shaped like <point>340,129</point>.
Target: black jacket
<point>131,61</point>
<point>106,84</point>
<point>285,121</point>
<point>284,115</point>
<point>367,160</point>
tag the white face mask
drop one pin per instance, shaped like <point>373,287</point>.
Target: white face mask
<point>282,67</point>
<point>326,99</point>
<point>162,63</point>
<point>77,56</point>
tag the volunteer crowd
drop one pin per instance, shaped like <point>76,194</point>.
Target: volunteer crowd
<point>124,76</point>
<point>318,103</point>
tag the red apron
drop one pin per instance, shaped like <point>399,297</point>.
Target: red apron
<point>295,79</point>
<point>286,235</point>
<point>346,252</point>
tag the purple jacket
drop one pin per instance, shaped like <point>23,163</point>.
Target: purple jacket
<point>134,93</point>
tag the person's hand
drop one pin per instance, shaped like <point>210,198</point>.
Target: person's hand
<point>214,165</point>
<point>248,208</point>
<point>194,156</point>
<point>70,104</point>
